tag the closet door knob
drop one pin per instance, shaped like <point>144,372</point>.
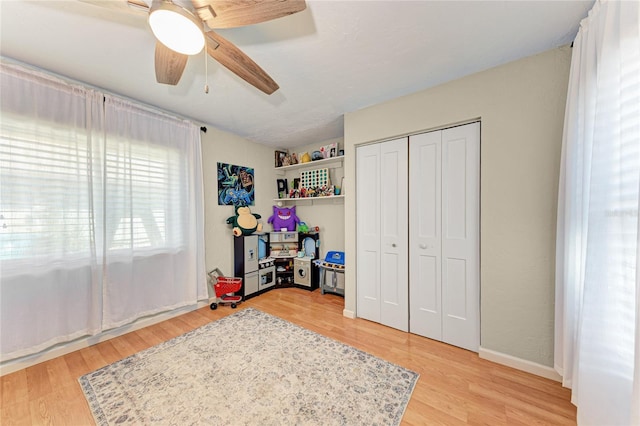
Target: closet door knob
<point>393,244</point>
<point>423,246</point>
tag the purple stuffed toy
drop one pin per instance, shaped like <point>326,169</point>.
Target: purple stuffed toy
<point>284,218</point>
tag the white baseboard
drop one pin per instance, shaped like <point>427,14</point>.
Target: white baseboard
<point>348,313</point>
<point>12,366</point>
<point>520,364</point>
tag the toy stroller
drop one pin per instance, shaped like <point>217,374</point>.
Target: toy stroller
<point>224,289</point>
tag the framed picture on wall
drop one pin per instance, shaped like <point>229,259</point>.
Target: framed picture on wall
<point>279,157</point>
<point>235,185</point>
<point>329,151</point>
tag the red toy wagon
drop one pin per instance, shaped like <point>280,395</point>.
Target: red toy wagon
<point>224,288</point>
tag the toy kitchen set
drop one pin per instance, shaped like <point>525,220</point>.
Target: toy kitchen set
<point>276,259</point>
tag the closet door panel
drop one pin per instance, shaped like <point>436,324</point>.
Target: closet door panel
<point>425,261</point>
<point>369,286</point>
<point>368,232</point>
<point>390,293</point>
<point>454,189</point>
<point>456,300</point>
<point>393,245</point>
<point>460,239</point>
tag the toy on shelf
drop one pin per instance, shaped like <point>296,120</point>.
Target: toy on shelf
<point>314,178</point>
<point>284,218</point>
<point>244,222</point>
<point>304,228</point>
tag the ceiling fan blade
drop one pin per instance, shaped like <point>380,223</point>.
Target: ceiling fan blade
<point>169,64</point>
<point>236,13</point>
<point>236,61</point>
<point>120,5</point>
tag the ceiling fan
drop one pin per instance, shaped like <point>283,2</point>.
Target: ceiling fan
<point>184,28</point>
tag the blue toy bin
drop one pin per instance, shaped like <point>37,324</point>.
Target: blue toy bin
<point>336,257</point>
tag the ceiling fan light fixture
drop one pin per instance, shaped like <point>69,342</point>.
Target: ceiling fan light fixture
<point>176,28</point>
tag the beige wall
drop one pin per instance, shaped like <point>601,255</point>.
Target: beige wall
<point>521,107</point>
<point>219,146</point>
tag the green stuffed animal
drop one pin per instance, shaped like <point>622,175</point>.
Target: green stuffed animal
<point>244,222</point>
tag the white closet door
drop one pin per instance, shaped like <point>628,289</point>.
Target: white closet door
<point>368,232</point>
<point>394,268</point>
<point>425,235</point>
<point>444,235</point>
<point>461,236</point>
<point>382,263</point>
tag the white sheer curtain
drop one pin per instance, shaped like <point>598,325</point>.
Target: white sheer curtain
<point>101,212</point>
<point>153,213</point>
<point>49,277</point>
<point>597,290</point>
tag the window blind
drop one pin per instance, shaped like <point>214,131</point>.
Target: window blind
<point>44,193</point>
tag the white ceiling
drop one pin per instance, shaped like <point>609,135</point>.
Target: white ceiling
<point>332,58</point>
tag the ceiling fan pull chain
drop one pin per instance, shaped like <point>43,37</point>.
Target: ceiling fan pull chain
<point>206,68</point>
<point>206,74</point>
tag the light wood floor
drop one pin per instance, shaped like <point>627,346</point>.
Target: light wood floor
<point>455,386</point>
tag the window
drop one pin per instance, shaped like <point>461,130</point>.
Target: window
<point>149,216</point>
<point>46,188</point>
<point>44,193</point>
<point>101,212</point>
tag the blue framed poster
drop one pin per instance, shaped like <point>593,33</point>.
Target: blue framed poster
<point>235,185</point>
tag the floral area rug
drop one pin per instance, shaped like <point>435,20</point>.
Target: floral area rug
<point>250,368</point>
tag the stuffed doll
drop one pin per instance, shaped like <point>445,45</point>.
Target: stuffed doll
<point>244,222</point>
<point>284,218</point>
